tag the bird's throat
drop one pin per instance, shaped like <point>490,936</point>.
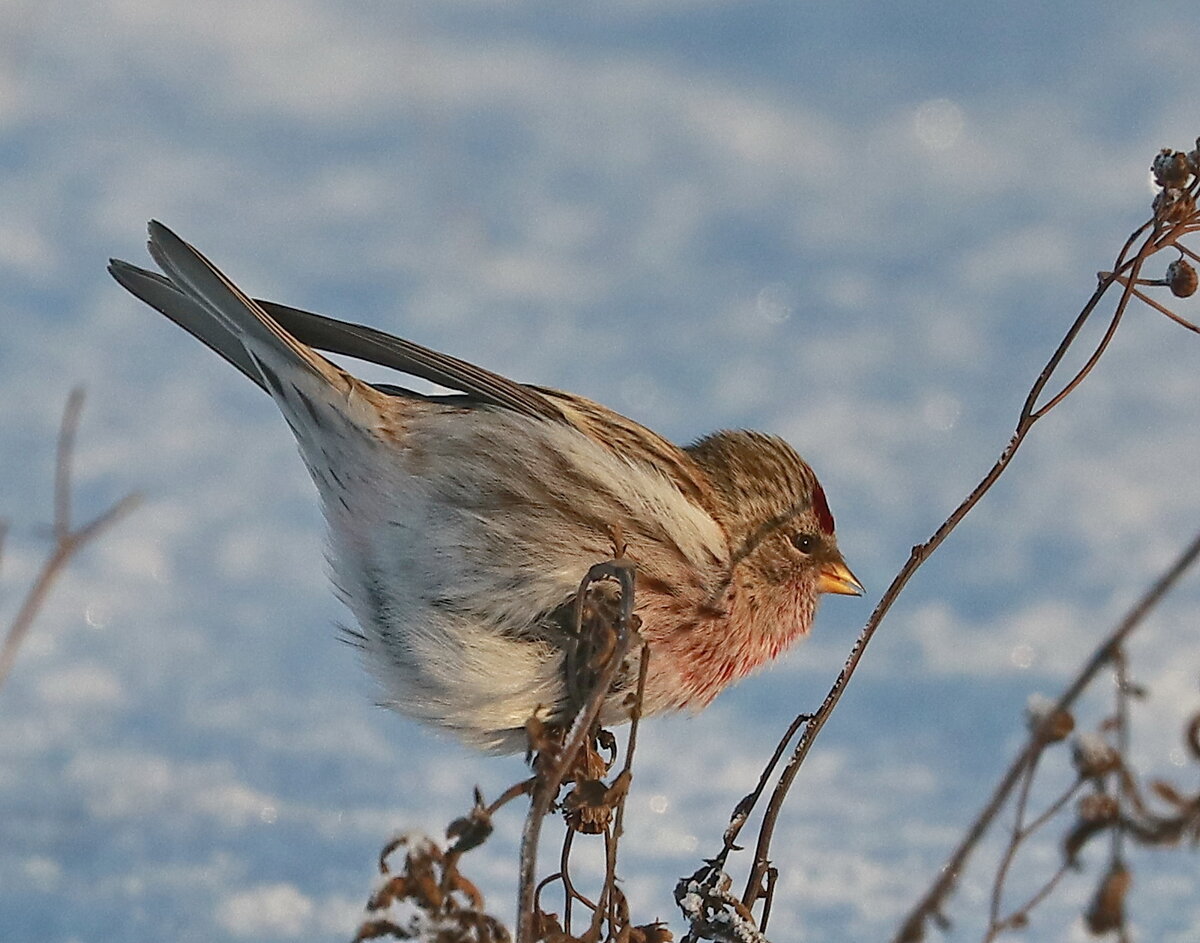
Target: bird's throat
<point>714,652</point>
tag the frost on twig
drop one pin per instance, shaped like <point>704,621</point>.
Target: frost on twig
<point>428,898</point>
<point>712,911</point>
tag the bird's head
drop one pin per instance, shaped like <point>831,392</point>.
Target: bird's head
<point>781,533</point>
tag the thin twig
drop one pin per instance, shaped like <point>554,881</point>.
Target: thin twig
<point>1081,374</point>
<point>607,905</point>
<point>67,541</point>
<point>516,789</point>
<point>613,836</point>
<point>1121,695</point>
<point>62,463</point>
<point>1029,415</point>
<point>1186,251</point>
<point>1055,807</point>
<point>1163,309</point>
<point>635,719</point>
<point>570,895</point>
<point>996,924</point>
<point>930,903</point>
<point>1016,837</point>
<point>769,897</point>
<point>741,812</point>
<point>1040,895</point>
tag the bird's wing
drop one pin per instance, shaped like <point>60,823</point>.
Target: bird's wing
<point>200,298</point>
<point>622,435</point>
<point>372,346</point>
<point>336,337</point>
<point>634,442</point>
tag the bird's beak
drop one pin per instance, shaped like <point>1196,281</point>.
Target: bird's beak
<point>836,577</point>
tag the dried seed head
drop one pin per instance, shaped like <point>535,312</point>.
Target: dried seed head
<point>546,926</point>
<point>651,933</point>
<point>1093,756</point>
<point>470,831</point>
<point>1173,205</point>
<point>1182,278</point>
<point>586,807</point>
<point>1098,807</point>
<point>1098,813</point>
<point>1171,170</point>
<point>1193,159</point>
<point>1045,723</point>
<point>1081,833</point>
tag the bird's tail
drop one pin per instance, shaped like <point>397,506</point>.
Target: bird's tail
<point>198,297</point>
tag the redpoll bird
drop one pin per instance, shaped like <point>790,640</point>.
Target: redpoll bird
<point>461,525</point>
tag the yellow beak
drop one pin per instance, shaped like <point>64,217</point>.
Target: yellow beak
<point>836,577</point>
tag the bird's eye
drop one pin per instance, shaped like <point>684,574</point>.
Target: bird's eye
<point>805,543</point>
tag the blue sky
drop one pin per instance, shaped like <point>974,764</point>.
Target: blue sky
<point>861,225</point>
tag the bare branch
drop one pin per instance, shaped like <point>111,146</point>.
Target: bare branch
<point>62,465</point>
<point>67,540</point>
<point>931,902</point>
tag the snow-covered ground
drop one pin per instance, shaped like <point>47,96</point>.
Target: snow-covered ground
<point>860,225</point>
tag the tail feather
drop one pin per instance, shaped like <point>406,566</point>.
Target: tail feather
<point>310,390</point>
<point>162,295</point>
<point>267,345</point>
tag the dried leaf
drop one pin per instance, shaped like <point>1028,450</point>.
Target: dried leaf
<point>1168,793</point>
<point>1107,909</point>
<point>470,831</point>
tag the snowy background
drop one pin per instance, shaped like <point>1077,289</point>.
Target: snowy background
<point>861,225</point>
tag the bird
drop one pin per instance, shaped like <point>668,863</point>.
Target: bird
<point>460,525</point>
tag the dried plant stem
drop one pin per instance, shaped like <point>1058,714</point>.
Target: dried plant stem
<point>929,906</point>
<point>1053,808</point>
<point>1011,921</point>
<point>1126,271</point>
<point>547,783</point>
<point>570,892</point>
<point>524,787</point>
<point>1017,836</point>
<point>612,838</point>
<point>1121,716</point>
<point>1163,309</point>
<point>1021,831</point>
<point>67,540</point>
<point>742,810</point>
